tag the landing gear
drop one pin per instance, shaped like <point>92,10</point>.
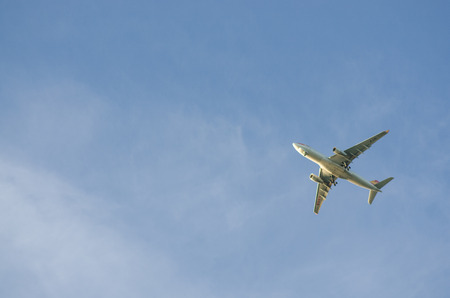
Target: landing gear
<point>346,165</point>
<point>333,181</point>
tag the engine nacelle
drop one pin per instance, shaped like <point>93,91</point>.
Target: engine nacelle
<point>315,178</point>
<point>339,152</point>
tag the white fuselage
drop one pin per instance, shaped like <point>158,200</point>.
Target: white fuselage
<point>335,169</point>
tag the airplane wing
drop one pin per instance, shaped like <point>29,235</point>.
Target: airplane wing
<point>357,150</point>
<point>323,188</point>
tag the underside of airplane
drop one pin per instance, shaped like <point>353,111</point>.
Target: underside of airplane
<point>338,166</point>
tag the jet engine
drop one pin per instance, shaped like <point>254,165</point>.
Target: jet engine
<point>339,152</point>
<point>315,178</point>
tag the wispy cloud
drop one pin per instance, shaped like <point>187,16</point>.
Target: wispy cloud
<point>59,241</point>
<point>145,149</point>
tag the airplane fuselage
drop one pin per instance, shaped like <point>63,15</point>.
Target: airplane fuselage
<point>335,169</point>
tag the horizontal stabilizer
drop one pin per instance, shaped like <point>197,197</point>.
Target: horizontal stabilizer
<point>378,185</point>
<point>372,195</point>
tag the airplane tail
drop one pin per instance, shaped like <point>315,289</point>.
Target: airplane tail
<point>378,185</point>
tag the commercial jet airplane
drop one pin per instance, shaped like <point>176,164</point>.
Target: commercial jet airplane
<point>338,166</point>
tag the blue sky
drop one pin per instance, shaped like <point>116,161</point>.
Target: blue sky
<point>145,148</point>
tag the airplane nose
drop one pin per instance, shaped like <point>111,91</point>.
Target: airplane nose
<point>299,148</point>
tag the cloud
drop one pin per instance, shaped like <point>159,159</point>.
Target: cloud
<point>50,121</point>
<point>58,241</point>
<point>176,199</point>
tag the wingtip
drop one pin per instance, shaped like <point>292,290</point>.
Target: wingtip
<point>387,131</point>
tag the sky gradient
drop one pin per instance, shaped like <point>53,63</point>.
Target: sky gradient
<point>146,148</point>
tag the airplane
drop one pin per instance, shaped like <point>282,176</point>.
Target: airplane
<point>338,166</point>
